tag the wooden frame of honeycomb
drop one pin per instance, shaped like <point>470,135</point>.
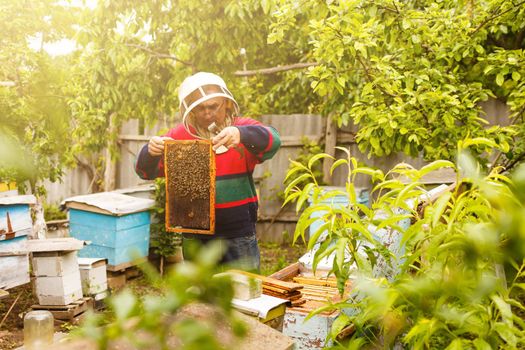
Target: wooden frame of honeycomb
<point>189,167</point>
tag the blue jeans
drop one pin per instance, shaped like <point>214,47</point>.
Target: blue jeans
<point>239,253</point>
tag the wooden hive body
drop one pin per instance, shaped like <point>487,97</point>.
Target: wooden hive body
<point>190,186</point>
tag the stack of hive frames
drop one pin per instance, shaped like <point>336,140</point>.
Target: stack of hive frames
<point>189,167</point>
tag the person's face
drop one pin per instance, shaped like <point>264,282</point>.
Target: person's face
<point>207,112</point>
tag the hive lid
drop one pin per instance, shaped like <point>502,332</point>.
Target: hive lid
<point>54,245</point>
<point>109,203</point>
<point>89,263</point>
<point>25,199</point>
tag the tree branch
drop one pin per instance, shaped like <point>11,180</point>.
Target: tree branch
<point>160,55</point>
<point>273,70</point>
<point>482,24</point>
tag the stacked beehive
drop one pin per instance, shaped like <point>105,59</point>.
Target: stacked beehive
<point>55,267</point>
<point>15,226</point>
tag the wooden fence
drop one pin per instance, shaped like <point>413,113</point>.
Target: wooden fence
<point>275,224</point>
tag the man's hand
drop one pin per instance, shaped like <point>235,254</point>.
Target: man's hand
<point>230,137</point>
<point>156,145</point>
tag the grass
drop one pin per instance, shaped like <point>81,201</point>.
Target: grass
<point>275,256</point>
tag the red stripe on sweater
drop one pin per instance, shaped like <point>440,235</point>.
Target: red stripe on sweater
<point>236,203</point>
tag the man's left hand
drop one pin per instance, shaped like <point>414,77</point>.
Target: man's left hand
<point>230,137</point>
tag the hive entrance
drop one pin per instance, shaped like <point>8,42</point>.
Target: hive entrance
<point>190,186</point>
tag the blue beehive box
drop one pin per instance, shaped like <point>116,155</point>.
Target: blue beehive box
<point>117,225</point>
<point>15,225</point>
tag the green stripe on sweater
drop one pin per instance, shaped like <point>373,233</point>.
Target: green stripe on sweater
<point>275,145</point>
<point>231,190</point>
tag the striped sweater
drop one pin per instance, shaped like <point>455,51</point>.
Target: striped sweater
<point>235,197</point>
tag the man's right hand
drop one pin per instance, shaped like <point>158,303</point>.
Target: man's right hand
<point>156,145</point>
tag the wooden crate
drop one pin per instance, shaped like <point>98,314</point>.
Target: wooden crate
<point>309,333</point>
<point>190,186</point>
<point>67,312</point>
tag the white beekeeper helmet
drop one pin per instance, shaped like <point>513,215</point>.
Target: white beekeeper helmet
<point>201,87</point>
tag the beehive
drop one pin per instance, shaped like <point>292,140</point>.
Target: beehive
<point>15,225</point>
<point>190,186</point>
<point>117,226</point>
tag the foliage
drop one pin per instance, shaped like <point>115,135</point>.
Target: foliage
<point>412,74</point>
<point>35,129</point>
<point>53,212</point>
<point>154,321</point>
<point>443,285</point>
<point>309,150</point>
<point>165,243</point>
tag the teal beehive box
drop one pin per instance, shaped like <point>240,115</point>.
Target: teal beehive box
<point>117,225</point>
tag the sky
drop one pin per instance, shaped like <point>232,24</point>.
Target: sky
<point>64,46</point>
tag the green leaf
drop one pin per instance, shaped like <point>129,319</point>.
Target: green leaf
<point>500,79</point>
<point>505,332</point>
<point>340,251</point>
<point>291,197</point>
<point>296,181</point>
<point>336,164</point>
<point>123,304</point>
<point>439,207</point>
<point>504,308</point>
<point>438,164</point>
<point>456,344</point>
<point>292,171</point>
<point>316,157</point>
<point>306,193</point>
<point>312,240</point>
<point>340,322</point>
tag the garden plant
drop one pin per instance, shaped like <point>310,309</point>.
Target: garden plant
<point>457,282</point>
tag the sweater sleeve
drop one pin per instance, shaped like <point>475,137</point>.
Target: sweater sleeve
<point>262,141</point>
<point>147,166</point>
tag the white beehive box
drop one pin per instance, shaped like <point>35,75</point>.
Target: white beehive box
<point>52,264</point>
<point>56,269</point>
<point>93,275</point>
<point>59,290</point>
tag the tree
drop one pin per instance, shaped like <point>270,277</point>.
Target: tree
<point>35,118</point>
<point>411,74</point>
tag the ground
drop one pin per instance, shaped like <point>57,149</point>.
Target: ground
<point>12,309</point>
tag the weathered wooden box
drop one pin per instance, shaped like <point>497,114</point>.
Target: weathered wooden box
<point>117,226</point>
<point>15,225</point>
<point>93,275</point>
<point>14,270</point>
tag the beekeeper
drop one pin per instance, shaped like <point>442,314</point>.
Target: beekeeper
<point>209,111</point>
